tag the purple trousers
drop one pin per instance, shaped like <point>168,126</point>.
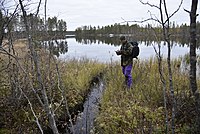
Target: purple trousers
<point>126,70</point>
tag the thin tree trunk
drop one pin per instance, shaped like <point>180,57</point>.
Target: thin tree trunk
<point>163,80</point>
<point>1,28</point>
<point>166,38</point>
<point>193,60</point>
<point>61,88</point>
<point>164,90</point>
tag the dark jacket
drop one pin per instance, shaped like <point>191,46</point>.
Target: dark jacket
<point>126,51</point>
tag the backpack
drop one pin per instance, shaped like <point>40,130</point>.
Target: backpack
<point>135,50</point>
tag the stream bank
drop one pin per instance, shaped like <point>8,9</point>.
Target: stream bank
<point>83,114</point>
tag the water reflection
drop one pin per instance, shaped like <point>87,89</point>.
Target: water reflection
<point>56,47</point>
<point>114,40</point>
<point>104,50</point>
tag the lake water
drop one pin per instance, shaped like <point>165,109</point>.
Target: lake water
<point>106,53</point>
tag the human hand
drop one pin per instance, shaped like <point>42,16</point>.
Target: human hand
<point>118,52</point>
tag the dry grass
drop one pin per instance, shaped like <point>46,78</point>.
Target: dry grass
<point>76,76</point>
<point>141,109</point>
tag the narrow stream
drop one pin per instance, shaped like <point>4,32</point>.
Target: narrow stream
<point>85,120</point>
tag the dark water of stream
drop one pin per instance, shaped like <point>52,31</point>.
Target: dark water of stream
<point>85,121</point>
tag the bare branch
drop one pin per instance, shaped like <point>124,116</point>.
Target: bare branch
<point>34,114</point>
<point>152,17</point>
<point>17,60</point>
<point>38,8</point>
<point>11,17</point>
<point>166,13</point>
<point>174,11</point>
<point>60,104</point>
<point>147,3</point>
<point>45,15</point>
<point>186,10</point>
<point>142,21</point>
<point>3,51</point>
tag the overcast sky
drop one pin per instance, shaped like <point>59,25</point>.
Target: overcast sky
<point>79,13</point>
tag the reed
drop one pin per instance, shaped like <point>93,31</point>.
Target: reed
<point>141,109</point>
<point>78,76</point>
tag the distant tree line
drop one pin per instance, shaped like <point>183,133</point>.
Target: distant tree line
<point>176,31</point>
<point>53,25</point>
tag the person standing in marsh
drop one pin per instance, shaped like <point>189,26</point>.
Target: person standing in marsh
<point>126,60</point>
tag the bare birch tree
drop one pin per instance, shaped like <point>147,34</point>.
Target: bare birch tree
<point>165,23</point>
<point>46,105</point>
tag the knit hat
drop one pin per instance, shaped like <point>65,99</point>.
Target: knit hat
<point>122,38</point>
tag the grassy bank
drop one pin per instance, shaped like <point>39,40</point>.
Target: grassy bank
<point>78,76</point>
<point>141,109</point>
<point>15,114</point>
